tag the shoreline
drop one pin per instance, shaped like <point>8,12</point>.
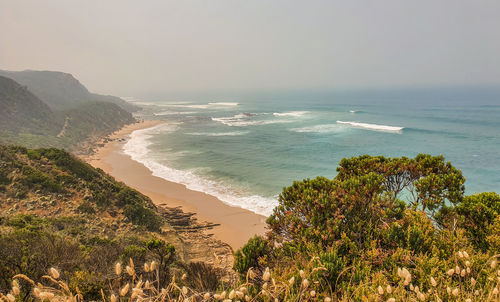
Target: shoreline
<point>234,225</point>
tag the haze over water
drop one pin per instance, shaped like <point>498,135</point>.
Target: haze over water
<point>244,150</point>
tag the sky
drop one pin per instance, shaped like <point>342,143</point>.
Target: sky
<point>126,47</point>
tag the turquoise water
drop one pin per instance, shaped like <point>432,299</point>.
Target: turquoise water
<point>245,149</point>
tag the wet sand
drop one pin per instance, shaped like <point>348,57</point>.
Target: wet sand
<point>236,225</point>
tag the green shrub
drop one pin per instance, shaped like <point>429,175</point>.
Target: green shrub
<point>249,255</point>
<point>477,214</point>
<point>86,208</point>
<point>140,215</point>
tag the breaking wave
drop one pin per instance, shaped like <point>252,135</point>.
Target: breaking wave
<point>373,127</point>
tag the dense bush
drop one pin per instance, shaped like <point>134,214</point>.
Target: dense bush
<point>477,214</point>
<point>248,256</point>
<point>140,215</point>
<point>377,215</point>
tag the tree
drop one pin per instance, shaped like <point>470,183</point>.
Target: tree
<point>426,181</point>
<point>165,254</point>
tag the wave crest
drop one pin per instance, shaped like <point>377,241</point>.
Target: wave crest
<point>373,127</point>
<point>291,113</point>
<point>234,133</point>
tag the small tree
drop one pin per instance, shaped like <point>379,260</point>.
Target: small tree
<point>250,254</point>
<point>165,254</point>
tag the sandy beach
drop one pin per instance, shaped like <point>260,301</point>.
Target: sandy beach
<point>236,225</point>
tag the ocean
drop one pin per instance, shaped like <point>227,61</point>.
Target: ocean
<point>245,148</point>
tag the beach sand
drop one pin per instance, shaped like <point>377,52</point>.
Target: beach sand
<point>236,225</point>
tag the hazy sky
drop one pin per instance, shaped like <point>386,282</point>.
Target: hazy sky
<point>126,47</point>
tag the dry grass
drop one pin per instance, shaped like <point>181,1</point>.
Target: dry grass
<point>459,283</point>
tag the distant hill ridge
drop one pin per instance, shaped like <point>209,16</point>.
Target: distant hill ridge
<point>61,90</point>
<point>28,120</point>
<point>21,110</point>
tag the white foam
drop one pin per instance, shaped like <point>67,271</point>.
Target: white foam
<point>325,128</point>
<point>137,148</point>
<point>174,112</point>
<point>203,106</point>
<point>224,104</point>
<point>237,121</point>
<point>246,119</point>
<point>373,127</point>
<point>234,133</point>
<point>291,113</point>
<point>353,111</point>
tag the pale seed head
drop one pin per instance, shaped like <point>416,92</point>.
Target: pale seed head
<point>267,275</point>
<point>118,268</point>
<point>388,289</point>
<point>400,273</point>
<point>54,273</point>
<point>407,279</point>
<point>305,283</point>
<point>291,281</point>
<point>11,298</point>
<point>16,290</point>
<point>455,292</point>
<point>494,263</point>
<point>36,292</point>
<point>433,282</point>
<point>312,293</point>
<point>391,300</point>
<point>130,270</point>
<point>450,272</point>
<point>380,290</point>
<point>302,274</point>
<point>124,290</point>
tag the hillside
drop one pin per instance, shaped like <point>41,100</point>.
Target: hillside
<point>27,120</point>
<point>22,111</point>
<point>61,90</point>
<point>58,210</point>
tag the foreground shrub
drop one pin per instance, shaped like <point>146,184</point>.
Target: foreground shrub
<point>250,255</point>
